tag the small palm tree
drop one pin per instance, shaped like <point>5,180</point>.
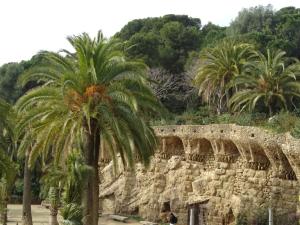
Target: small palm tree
<point>86,97</point>
<point>220,65</point>
<point>7,178</point>
<point>52,183</point>
<point>63,184</point>
<point>8,168</point>
<point>269,81</point>
<point>72,195</point>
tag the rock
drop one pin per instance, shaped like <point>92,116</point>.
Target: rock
<point>147,223</point>
<point>118,218</point>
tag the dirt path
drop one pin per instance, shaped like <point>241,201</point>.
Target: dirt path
<point>40,216</point>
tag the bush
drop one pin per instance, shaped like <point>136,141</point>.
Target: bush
<point>296,130</point>
<point>282,122</point>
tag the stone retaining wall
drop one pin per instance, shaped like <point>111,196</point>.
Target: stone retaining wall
<point>223,169</point>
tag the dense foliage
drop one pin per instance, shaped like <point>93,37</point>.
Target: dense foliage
<point>269,29</point>
<point>163,41</point>
<point>9,74</point>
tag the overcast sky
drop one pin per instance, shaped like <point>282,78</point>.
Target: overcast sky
<point>28,26</point>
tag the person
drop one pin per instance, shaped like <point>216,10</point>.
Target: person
<point>172,219</point>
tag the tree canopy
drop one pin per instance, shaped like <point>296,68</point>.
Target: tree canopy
<point>164,41</point>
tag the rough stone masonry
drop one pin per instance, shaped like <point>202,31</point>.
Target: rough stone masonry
<point>219,171</point>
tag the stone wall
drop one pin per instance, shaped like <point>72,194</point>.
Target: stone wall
<point>221,169</point>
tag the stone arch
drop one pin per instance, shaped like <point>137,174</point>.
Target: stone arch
<point>258,159</point>
<point>279,162</point>
<point>200,150</point>
<point>229,218</point>
<point>285,171</point>
<point>170,146</point>
<point>108,204</point>
<point>225,150</point>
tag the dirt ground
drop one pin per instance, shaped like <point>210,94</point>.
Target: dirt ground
<point>40,216</point>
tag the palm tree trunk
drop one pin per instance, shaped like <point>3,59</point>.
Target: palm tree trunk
<point>3,214</point>
<point>54,202</point>
<point>27,217</point>
<point>53,216</point>
<point>270,110</point>
<point>96,183</point>
<point>91,190</point>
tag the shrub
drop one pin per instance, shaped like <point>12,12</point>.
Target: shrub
<point>282,122</point>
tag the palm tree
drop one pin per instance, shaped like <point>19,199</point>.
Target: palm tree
<point>52,184</point>
<point>8,172</point>
<point>268,81</point>
<point>63,183</point>
<point>77,173</point>
<point>25,142</point>
<point>220,65</point>
<point>8,168</point>
<point>89,96</point>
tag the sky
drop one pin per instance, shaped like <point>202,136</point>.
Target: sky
<point>28,26</point>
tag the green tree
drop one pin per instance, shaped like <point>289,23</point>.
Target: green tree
<point>267,28</point>
<point>162,41</point>
<point>9,74</point>
<point>72,195</point>
<point>63,186</point>
<point>8,168</point>
<point>52,183</point>
<point>255,19</point>
<point>211,34</point>
<point>221,64</point>
<point>89,96</point>
<point>177,41</point>
<point>269,81</point>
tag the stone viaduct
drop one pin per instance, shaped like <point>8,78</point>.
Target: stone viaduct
<point>210,174</point>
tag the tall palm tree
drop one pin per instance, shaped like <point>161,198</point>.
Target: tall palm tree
<point>220,65</point>
<point>88,96</point>
<point>269,80</point>
<point>8,168</point>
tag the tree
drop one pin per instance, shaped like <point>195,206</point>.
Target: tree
<point>177,41</point>
<point>162,41</point>
<point>26,211</point>
<point>63,184</point>
<point>254,19</point>
<point>175,91</point>
<point>72,195</point>
<point>52,183</point>
<point>270,81</point>
<point>220,65</point>
<point>9,74</point>
<point>89,96</point>
<point>211,34</point>
<point>268,28</point>
<point>8,168</point>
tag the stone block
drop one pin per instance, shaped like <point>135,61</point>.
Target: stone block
<point>261,174</point>
<point>220,171</point>
<point>223,165</point>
